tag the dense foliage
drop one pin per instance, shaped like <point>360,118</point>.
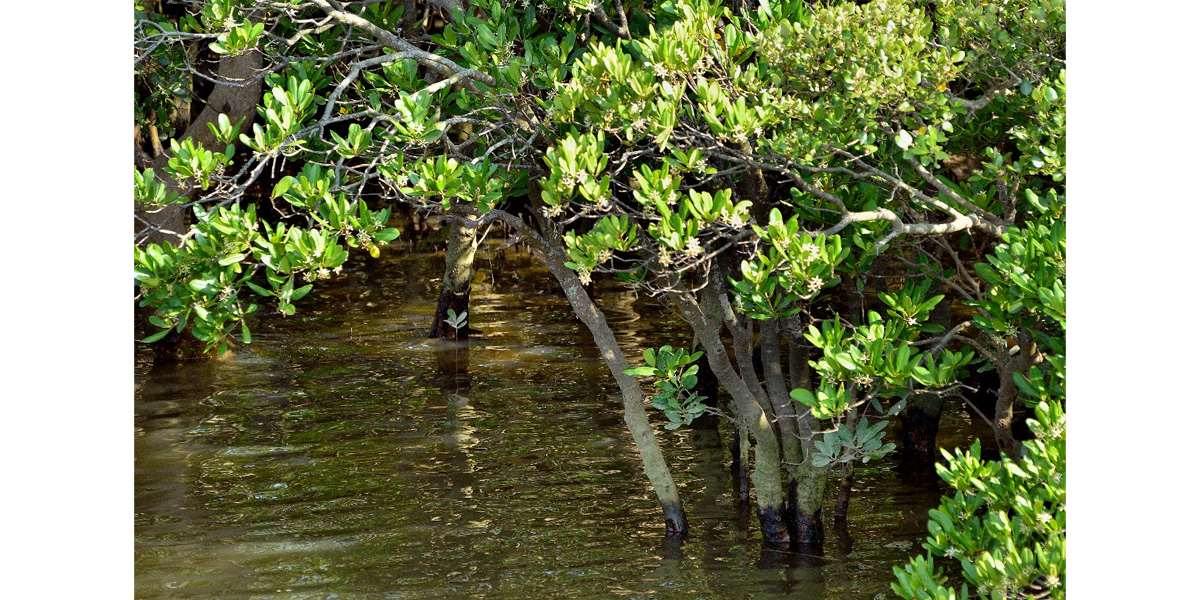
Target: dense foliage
<point>847,178</point>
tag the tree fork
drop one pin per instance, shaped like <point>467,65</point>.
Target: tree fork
<point>169,222</point>
<point>766,474</point>
<point>1027,356</point>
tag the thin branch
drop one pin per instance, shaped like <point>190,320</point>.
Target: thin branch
<point>445,66</point>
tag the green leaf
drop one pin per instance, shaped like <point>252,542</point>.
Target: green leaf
<point>301,292</point>
<point>803,396</point>
<point>259,289</point>
<point>845,360</point>
<point>282,187</point>
<point>648,354</point>
<point>158,336</point>
<point>229,260</point>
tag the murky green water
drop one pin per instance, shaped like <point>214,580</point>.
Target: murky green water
<point>336,458</point>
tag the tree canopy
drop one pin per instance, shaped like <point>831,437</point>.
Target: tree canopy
<point>874,191</point>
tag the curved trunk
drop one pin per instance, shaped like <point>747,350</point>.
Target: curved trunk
<point>653,461</point>
<point>1026,357</point>
<point>456,283</point>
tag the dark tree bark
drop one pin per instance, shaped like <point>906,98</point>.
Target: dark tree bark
<point>919,422</point>
<point>171,221</point>
<point>1028,356</point>
<point>808,497</point>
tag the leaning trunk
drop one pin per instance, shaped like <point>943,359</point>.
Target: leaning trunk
<point>635,410</point>
<point>456,283</point>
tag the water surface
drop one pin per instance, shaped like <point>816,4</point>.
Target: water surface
<point>339,456</point>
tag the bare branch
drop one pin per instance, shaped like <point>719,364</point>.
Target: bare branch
<point>445,66</point>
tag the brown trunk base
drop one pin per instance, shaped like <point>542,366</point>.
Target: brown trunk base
<point>677,525</point>
<point>774,531</point>
<point>845,544</point>
<point>449,300</point>
<point>807,530</point>
<point>810,532</point>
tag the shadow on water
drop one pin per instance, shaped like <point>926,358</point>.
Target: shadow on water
<point>344,455</point>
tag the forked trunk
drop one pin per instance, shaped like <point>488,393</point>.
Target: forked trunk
<point>785,413</point>
<point>766,475</point>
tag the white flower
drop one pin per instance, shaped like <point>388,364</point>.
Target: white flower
<point>581,178</point>
<point>1052,581</point>
<point>664,256</point>
<point>815,284</point>
<point>693,248</point>
<point>603,255</point>
<point>950,552</point>
<point>911,321</point>
<point>585,277</point>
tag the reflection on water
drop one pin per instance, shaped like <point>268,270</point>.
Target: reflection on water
<point>344,455</point>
